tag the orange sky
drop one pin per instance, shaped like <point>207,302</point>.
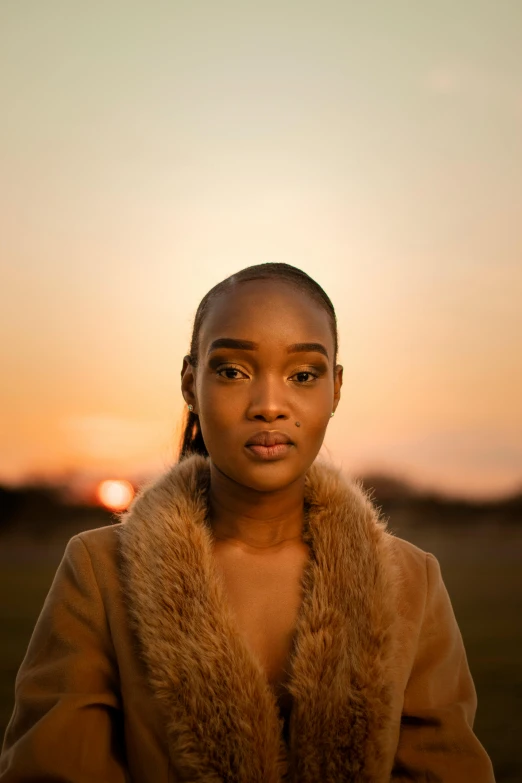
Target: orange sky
<point>148,154</point>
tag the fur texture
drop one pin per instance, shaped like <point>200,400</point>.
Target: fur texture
<point>221,714</point>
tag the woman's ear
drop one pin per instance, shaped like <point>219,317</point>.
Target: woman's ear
<point>188,383</point>
<point>338,382</point>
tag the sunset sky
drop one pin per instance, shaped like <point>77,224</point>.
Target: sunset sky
<point>149,149</point>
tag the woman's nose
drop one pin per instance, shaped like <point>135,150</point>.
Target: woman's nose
<point>268,401</point>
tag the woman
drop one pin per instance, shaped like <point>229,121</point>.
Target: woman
<point>250,618</point>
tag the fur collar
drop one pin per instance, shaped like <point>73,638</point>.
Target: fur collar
<point>221,714</point>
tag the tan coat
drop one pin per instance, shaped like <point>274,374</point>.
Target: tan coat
<point>136,671</point>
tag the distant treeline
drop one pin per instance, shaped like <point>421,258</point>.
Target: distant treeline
<point>41,510</point>
<point>397,498</point>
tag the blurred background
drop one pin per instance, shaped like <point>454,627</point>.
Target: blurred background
<point>148,150</point>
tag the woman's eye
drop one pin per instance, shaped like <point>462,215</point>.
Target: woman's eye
<point>309,379</point>
<point>305,377</point>
<point>230,373</point>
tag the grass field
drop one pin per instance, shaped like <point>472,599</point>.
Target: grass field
<point>481,566</point>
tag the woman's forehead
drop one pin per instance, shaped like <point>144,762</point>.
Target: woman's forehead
<point>275,313</point>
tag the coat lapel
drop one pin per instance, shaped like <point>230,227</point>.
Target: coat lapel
<point>221,714</point>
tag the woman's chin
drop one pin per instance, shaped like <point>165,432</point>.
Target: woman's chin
<point>260,474</point>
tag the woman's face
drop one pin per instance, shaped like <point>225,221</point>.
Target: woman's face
<point>266,353</point>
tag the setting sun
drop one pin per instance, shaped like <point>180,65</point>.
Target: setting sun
<point>115,494</point>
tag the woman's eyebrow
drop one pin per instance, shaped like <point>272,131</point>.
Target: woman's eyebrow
<point>307,348</point>
<point>230,342</point>
<point>248,345</point>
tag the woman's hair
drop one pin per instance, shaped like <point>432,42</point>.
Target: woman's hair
<point>192,439</point>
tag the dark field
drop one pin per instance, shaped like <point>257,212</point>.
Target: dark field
<point>481,565</point>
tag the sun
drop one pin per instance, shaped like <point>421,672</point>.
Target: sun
<point>115,494</point>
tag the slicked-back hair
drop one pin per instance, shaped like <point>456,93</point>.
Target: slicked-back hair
<point>192,439</point>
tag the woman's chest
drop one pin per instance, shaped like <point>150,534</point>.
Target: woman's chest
<point>264,594</point>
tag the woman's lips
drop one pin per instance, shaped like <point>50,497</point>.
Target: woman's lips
<point>271,452</point>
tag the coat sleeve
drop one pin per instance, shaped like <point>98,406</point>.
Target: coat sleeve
<point>67,721</point>
<point>436,741</point>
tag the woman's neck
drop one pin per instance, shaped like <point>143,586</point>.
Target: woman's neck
<point>252,519</point>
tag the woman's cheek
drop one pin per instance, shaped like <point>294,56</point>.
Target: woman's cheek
<point>219,409</point>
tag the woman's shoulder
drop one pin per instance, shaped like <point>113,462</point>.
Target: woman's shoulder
<point>100,541</point>
<point>97,550</point>
<point>414,565</point>
<point>408,553</point>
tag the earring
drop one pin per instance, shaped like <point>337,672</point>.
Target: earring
<point>191,408</point>
<point>332,413</point>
